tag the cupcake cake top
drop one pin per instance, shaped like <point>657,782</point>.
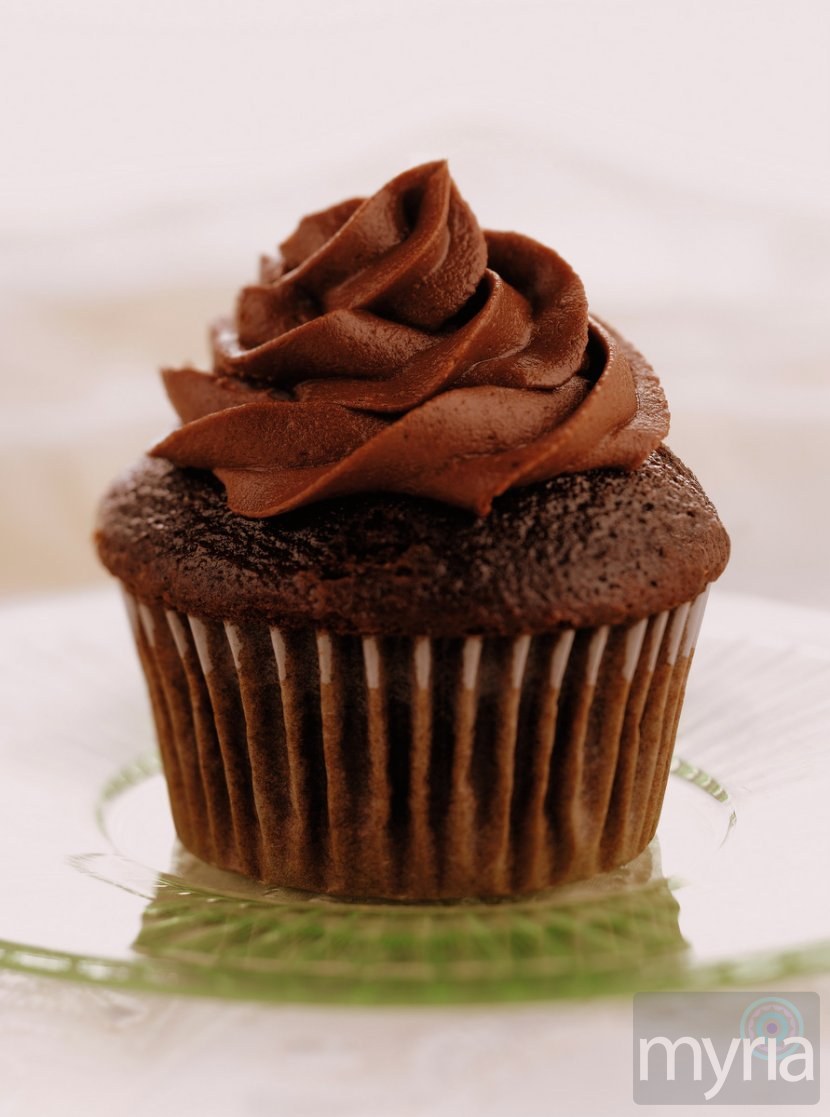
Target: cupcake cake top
<point>393,345</point>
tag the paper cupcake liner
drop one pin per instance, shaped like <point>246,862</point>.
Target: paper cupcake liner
<point>394,767</point>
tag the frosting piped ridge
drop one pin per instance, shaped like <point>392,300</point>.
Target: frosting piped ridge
<point>393,345</point>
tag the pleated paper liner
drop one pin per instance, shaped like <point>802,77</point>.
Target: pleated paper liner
<point>415,768</point>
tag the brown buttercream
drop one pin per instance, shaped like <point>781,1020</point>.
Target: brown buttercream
<point>395,346</point>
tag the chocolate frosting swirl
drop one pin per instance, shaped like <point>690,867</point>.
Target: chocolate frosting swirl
<point>395,346</point>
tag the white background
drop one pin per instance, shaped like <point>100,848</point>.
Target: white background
<point>676,153</point>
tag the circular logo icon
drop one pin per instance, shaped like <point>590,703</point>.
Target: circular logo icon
<point>771,1018</point>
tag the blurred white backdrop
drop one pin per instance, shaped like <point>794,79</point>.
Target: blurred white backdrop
<point>677,154</point>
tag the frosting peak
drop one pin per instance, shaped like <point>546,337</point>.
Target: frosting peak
<point>393,345</point>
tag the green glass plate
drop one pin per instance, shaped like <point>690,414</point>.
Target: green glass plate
<point>95,888</point>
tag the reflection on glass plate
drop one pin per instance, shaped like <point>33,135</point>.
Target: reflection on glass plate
<point>94,887</point>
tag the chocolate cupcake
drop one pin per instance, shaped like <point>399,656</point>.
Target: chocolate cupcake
<point>416,585</point>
